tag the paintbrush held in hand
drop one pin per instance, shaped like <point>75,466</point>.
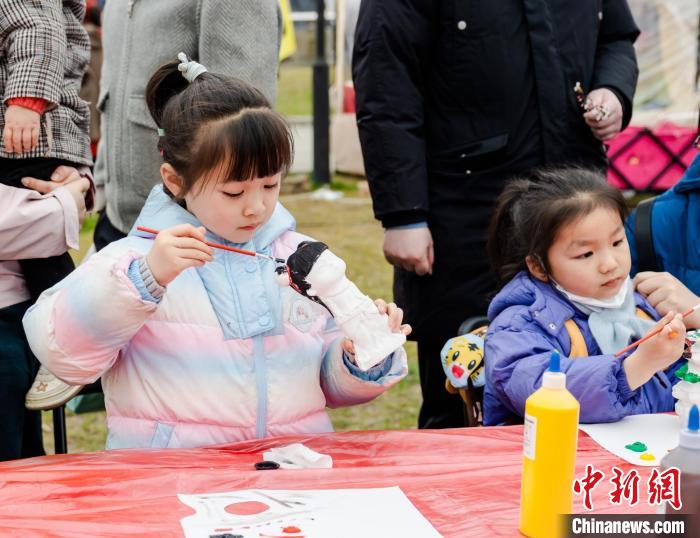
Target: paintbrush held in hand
<point>653,333</point>
<point>222,247</point>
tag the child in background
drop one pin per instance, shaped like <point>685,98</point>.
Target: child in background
<point>31,224</point>
<point>44,51</point>
<point>558,240</point>
<point>197,347</point>
<point>43,126</point>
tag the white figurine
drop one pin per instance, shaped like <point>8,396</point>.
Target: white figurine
<point>317,273</point>
<point>687,391</point>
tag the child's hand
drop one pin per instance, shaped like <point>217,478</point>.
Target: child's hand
<point>176,249</point>
<point>666,293</point>
<point>395,317</point>
<point>657,353</point>
<point>21,133</point>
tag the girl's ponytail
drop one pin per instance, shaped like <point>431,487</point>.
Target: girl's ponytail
<point>505,249</point>
<point>165,83</point>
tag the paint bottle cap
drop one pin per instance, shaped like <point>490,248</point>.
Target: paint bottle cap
<point>690,436</point>
<point>554,378</point>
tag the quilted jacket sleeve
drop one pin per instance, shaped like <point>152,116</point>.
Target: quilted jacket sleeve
<point>78,327</point>
<point>389,69</point>
<point>33,225</point>
<point>516,360</point>
<point>341,386</point>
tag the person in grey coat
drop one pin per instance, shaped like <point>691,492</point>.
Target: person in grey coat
<point>233,37</point>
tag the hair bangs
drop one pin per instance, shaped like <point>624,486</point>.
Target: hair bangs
<point>253,144</point>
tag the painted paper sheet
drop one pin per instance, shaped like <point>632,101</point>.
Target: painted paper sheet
<point>340,513</point>
<point>639,439</point>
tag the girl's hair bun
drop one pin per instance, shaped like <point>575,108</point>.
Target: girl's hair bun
<point>164,84</point>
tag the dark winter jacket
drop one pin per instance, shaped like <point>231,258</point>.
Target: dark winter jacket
<point>458,92</point>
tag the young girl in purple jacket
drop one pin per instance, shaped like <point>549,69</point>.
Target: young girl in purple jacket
<point>558,240</point>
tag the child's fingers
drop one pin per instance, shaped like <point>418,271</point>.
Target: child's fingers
<point>395,317</point>
<point>7,139</point>
<point>27,139</point>
<point>17,140</point>
<point>381,305</point>
<point>35,137</point>
<point>190,258</point>
<point>194,254</point>
<point>348,346</point>
<point>406,329</point>
<point>192,243</point>
<point>662,322</point>
<point>674,328</point>
<point>185,230</point>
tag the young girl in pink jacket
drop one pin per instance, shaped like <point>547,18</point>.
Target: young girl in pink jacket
<point>197,346</point>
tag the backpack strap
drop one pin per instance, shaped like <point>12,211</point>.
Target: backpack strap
<point>642,314</point>
<point>644,238</point>
<point>578,344</point>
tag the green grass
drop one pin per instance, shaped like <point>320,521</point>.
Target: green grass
<point>294,95</point>
<point>350,230</point>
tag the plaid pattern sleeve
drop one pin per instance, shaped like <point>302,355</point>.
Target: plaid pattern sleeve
<point>44,51</point>
<point>34,43</point>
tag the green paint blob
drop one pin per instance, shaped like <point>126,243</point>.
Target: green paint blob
<point>637,446</point>
<point>685,375</point>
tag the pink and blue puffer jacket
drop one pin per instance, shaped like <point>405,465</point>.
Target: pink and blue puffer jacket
<point>226,355</point>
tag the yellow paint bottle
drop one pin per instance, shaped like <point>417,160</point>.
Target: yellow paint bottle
<point>549,455</point>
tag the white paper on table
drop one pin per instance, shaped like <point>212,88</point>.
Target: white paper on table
<point>340,513</point>
<point>659,432</point>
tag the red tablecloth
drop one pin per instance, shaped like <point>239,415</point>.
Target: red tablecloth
<point>465,481</point>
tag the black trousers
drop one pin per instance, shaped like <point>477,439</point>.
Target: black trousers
<point>20,429</point>
<point>40,273</point>
<point>105,232</point>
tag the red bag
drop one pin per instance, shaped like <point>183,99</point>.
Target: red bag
<point>650,160</point>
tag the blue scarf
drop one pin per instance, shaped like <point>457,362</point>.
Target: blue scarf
<point>613,327</point>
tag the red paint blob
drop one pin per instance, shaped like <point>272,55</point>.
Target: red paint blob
<point>247,508</point>
<point>291,530</point>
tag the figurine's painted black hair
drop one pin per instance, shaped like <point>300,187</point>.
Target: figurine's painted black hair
<point>300,263</point>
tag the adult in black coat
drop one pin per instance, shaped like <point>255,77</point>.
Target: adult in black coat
<point>454,97</point>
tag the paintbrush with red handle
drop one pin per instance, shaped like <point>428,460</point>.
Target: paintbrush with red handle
<point>222,247</point>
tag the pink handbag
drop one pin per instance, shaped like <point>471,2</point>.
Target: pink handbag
<point>650,160</point>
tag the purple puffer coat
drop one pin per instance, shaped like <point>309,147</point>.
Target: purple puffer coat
<point>526,323</point>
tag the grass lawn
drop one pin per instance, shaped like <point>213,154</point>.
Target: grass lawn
<point>347,225</point>
<point>294,90</point>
